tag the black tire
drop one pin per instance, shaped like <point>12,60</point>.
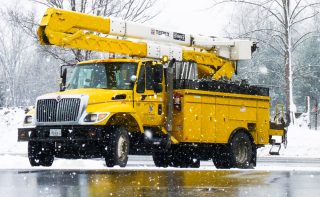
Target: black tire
<point>241,150</point>
<point>285,138</point>
<point>222,157</point>
<point>47,160</point>
<point>195,163</point>
<point>179,158</point>
<point>191,159</point>
<point>184,158</point>
<point>118,150</point>
<point>160,159</point>
<point>47,152</point>
<point>40,153</point>
<point>34,151</point>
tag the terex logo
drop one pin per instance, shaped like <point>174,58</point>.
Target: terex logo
<point>158,32</point>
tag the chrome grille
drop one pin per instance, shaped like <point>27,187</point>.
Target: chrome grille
<point>50,110</point>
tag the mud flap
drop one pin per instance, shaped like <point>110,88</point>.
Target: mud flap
<point>253,162</point>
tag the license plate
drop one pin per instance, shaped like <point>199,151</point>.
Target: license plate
<point>55,132</point>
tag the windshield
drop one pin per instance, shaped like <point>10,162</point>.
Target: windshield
<point>110,75</point>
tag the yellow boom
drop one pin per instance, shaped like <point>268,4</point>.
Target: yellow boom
<point>75,30</point>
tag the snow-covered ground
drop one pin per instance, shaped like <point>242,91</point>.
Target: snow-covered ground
<point>10,120</point>
<point>302,142</point>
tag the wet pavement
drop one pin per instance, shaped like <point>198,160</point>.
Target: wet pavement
<point>122,182</point>
<point>273,176</point>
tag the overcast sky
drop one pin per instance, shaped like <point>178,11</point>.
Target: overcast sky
<point>189,16</point>
<point>192,16</point>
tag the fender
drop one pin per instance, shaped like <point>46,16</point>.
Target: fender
<point>243,129</point>
<point>114,109</point>
<point>31,112</point>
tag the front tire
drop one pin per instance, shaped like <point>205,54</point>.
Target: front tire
<point>34,150</point>
<point>118,150</point>
<point>40,153</point>
<point>47,152</point>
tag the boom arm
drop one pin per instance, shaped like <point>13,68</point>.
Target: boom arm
<point>67,29</point>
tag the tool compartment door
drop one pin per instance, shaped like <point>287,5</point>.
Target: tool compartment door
<point>208,129</point>
<point>192,118</point>
<point>222,121</point>
<point>263,122</point>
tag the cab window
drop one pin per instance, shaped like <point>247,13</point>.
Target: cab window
<point>149,77</point>
<point>141,81</point>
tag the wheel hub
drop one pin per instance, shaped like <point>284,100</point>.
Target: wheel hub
<point>122,148</point>
<point>241,151</point>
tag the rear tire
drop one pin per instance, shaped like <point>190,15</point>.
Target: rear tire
<point>237,154</point>
<point>222,157</point>
<point>179,158</point>
<point>118,150</point>
<point>241,150</point>
<point>195,163</point>
<point>285,138</point>
<point>160,159</point>
<point>192,159</point>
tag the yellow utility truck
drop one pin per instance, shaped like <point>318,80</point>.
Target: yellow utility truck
<point>173,99</point>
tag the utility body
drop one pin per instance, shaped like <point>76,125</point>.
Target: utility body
<point>181,111</point>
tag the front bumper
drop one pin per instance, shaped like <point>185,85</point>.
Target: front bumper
<point>68,133</point>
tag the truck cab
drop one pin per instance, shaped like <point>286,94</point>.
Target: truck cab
<point>100,96</point>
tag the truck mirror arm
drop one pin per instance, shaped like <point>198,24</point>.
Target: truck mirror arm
<point>63,76</point>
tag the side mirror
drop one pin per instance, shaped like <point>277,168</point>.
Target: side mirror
<point>63,80</point>
<point>134,79</point>
<point>64,76</point>
<point>158,73</point>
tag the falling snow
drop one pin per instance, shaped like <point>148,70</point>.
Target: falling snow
<point>302,142</point>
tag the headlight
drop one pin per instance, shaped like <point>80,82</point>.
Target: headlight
<point>90,118</point>
<point>96,117</point>
<point>28,120</point>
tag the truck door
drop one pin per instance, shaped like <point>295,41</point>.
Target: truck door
<point>148,104</point>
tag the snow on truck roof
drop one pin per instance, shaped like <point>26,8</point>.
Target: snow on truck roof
<point>112,60</point>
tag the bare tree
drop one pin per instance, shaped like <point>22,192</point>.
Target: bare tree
<point>28,68</point>
<point>25,70</point>
<point>131,10</point>
<point>280,21</point>
<point>13,47</point>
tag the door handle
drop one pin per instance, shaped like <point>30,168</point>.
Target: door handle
<point>144,96</point>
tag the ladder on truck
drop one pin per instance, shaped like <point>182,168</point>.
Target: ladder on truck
<point>275,148</point>
<point>277,127</point>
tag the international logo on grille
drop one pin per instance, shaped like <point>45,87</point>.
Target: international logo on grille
<point>58,98</point>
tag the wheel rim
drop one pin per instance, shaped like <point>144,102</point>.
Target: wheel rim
<point>241,151</point>
<point>122,148</point>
